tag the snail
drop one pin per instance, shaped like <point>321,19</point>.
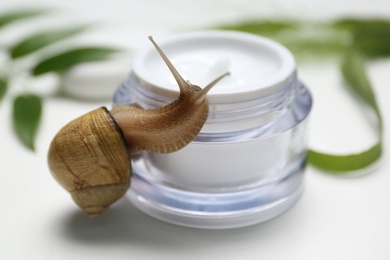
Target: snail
<point>90,156</point>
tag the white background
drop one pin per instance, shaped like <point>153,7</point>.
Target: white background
<point>337,218</point>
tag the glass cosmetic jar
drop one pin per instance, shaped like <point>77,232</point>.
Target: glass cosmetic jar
<point>246,165</point>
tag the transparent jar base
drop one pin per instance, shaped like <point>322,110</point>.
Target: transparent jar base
<point>233,209</point>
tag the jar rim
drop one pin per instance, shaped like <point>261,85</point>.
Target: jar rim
<point>279,73</point>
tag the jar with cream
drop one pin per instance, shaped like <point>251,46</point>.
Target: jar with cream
<point>246,165</point>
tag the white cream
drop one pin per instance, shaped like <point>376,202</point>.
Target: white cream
<point>257,67</point>
<point>245,166</point>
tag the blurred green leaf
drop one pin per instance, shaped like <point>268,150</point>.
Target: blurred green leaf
<point>374,42</point>
<point>353,68</point>
<point>372,36</point>
<point>303,39</point>
<point>27,111</point>
<point>3,86</point>
<point>43,39</point>
<point>263,27</point>
<point>315,47</point>
<point>68,59</point>
<point>354,23</point>
<point>13,16</point>
<point>354,72</point>
<point>338,164</point>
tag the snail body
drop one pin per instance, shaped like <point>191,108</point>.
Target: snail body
<point>90,156</point>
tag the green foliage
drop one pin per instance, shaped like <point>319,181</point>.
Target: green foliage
<point>316,47</point>
<point>372,37</point>
<point>301,38</point>
<point>27,108</point>
<point>26,117</point>
<point>354,72</point>
<point>263,27</point>
<point>38,41</point>
<point>66,60</point>
<point>10,17</point>
<point>353,69</point>
<point>3,86</point>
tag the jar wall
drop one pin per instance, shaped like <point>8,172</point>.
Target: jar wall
<point>241,162</point>
<point>247,158</point>
<point>203,166</point>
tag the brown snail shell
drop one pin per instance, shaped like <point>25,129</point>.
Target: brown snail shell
<point>90,157</point>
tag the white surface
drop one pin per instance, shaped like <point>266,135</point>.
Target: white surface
<point>337,218</point>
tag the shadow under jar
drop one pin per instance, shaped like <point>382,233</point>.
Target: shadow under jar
<point>246,165</point>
